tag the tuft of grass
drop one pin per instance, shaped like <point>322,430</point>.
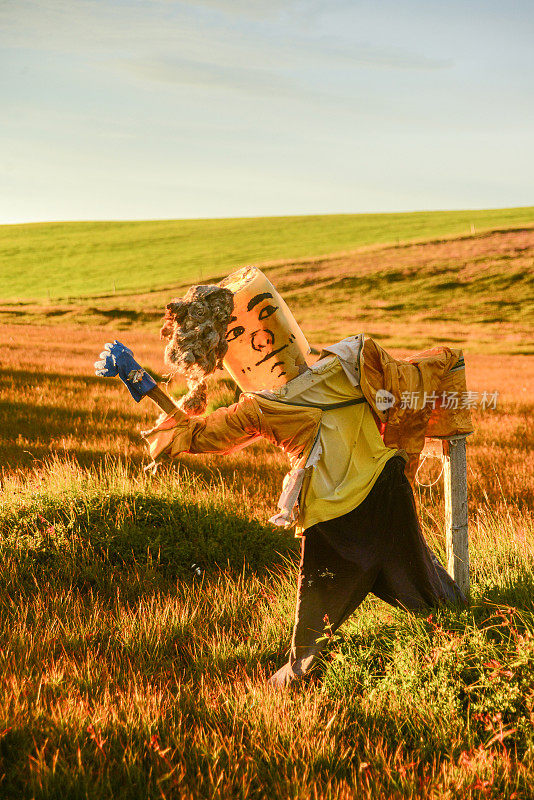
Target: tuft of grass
<point>81,523</point>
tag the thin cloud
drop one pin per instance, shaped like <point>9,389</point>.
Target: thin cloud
<point>253,79</point>
<point>364,55</point>
<point>91,27</point>
<point>254,9</point>
<point>206,75</point>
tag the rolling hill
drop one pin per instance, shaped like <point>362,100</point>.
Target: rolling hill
<point>50,261</point>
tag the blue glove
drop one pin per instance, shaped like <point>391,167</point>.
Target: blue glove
<point>116,359</point>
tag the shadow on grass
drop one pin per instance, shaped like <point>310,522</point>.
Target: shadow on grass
<point>21,379</point>
<point>516,592</point>
<point>60,381</point>
<point>134,542</point>
<point>26,377</point>
<point>27,419</point>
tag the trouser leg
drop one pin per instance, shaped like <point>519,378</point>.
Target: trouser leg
<point>330,588</point>
<point>376,547</point>
<point>411,576</point>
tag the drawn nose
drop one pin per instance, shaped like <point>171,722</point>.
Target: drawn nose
<point>261,339</point>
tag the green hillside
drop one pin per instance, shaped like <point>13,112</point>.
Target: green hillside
<point>75,259</point>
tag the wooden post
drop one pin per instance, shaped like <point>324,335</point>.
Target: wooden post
<point>452,452</point>
<point>456,517</point>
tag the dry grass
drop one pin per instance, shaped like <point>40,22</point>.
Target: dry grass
<point>52,404</point>
<point>125,675</point>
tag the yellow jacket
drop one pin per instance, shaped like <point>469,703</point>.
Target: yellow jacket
<point>295,429</point>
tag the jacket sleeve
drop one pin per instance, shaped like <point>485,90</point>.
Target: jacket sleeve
<point>223,431</point>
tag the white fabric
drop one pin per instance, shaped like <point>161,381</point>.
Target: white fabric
<point>288,500</point>
<point>348,351</point>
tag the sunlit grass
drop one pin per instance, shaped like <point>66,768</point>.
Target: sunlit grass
<point>49,260</point>
<point>126,674</point>
<point>475,292</point>
<point>140,615</point>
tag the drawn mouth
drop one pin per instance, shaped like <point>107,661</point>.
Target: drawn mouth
<point>279,364</point>
<point>271,355</point>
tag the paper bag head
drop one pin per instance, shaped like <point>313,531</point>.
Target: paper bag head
<point>266,347</point>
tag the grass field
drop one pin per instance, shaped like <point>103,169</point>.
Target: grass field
<point>126,675</point>
<point>476,291</point>
<point>52,260</point>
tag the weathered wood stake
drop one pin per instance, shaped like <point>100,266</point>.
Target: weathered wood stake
<point>452,453</point>
<point>162,400</point>
<point>456,515</point>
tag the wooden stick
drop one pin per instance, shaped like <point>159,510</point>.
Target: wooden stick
<point>456,515</point>
<point>162,400</point>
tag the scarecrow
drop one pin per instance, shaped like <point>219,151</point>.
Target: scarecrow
<point>352,443</point>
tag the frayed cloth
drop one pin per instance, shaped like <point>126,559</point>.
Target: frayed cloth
<point>379,548</point>
<point>291,488</point>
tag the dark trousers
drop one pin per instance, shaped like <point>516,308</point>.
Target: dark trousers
<point>378,547</point>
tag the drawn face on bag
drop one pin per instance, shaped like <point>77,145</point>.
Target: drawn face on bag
<point>265,344</point>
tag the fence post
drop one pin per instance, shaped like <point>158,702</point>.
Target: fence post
<point>456,515</point>
<point>452,453</point>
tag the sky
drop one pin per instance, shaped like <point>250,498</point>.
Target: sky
<point>130,109</point>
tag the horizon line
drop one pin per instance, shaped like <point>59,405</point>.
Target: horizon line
<point>54,221</point>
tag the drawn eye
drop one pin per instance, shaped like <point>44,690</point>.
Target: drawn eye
<point>267,311</point>
<point>234,333</point>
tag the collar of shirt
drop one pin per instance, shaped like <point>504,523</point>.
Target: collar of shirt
<point>348,351</point>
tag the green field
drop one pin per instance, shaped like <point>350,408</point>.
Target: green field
<point>76,259</point>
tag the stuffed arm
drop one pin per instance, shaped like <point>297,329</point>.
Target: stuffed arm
<point>223,431</point>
